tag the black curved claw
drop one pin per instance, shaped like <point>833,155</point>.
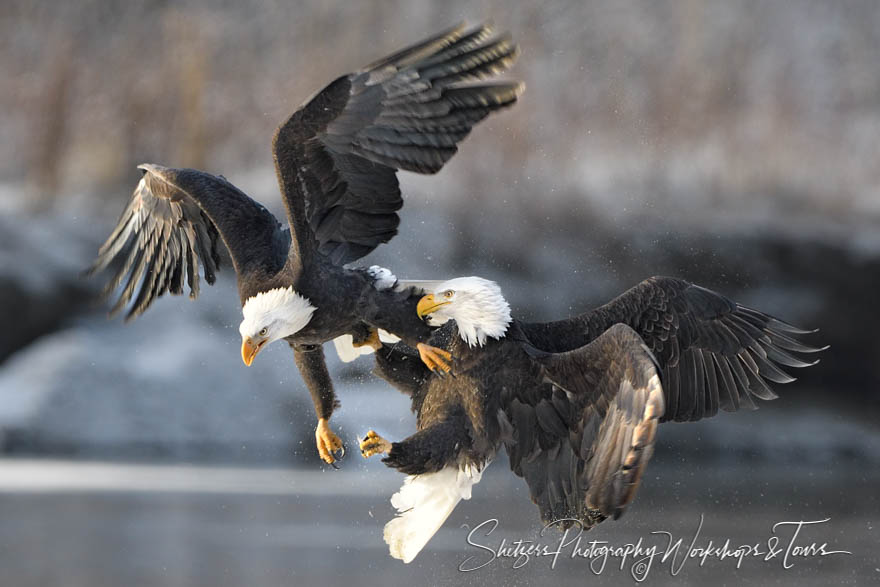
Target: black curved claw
<point>341,454</point>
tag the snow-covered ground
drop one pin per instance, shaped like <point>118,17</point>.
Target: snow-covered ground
<point>171,385</point>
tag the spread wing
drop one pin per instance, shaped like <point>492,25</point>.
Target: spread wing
<point>712,352</point>
<point>582,439</point>
<point>174,222</point>
<point>338,155</point>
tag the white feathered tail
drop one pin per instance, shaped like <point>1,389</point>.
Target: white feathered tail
<point>423,504</point>
<point>348,352</point>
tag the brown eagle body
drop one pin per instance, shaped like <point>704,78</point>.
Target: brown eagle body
<point>547,411</point>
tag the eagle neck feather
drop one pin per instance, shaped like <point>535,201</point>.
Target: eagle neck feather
<point>479,309</point>
<point>281,303</point>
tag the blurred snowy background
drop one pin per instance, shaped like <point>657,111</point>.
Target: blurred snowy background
<point>732,144</point>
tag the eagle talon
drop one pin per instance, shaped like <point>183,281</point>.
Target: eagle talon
<point>328,443</point>
<point>437,360</point>
<point>373,444</point>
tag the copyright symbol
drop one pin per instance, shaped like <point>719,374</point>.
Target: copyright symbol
<point>640,569</point>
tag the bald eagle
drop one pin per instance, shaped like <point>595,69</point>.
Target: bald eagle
<point>575,403</point>
<point>336,160</point>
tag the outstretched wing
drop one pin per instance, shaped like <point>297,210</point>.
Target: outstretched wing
<point>712,352</point>
<point>338,155</point>
<point>583,438</point>
<point>174,222</point>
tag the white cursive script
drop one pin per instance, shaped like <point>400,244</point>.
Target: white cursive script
<point>787,545</point>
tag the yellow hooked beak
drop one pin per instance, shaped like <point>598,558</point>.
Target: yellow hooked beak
<point>428,305</point>
<point>249,349</point>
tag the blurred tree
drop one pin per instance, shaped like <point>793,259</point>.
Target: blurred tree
<point>50,118</point>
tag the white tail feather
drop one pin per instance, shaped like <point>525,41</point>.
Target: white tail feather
<point>386,336</point>
<point>423,504</point>
<point>382,278</point>
<point>348,352</point>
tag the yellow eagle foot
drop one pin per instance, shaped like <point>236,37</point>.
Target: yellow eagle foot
<point>437,360</point>
<point>373,444</point>
<point>328,443</point>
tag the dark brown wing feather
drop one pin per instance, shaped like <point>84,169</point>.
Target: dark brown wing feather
<point>713,353</point>
<point>174,222</point>
<point>583,438</point>
<point>407,111</point>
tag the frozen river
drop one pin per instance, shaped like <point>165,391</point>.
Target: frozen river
<point>94,524</point>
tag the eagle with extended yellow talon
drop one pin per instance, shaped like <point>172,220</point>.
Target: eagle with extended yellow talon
<point>336,160</point>
<point>575,402</point>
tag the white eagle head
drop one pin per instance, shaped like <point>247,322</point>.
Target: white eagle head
<point>476,305</point>
<point>270,316</point>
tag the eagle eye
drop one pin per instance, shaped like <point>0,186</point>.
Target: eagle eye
<point>264,332</point>
<point>448,294</point>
